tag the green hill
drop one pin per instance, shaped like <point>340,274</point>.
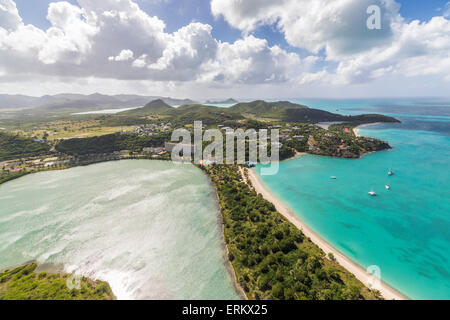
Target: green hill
<point>315,116</point>
<point>265,109</point>
<point>207,114</point>
<point>291,112</point>
<point>155,107</point>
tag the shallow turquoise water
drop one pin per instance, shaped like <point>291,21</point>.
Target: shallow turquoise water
<point>149,228</point>
<point>405,231</point>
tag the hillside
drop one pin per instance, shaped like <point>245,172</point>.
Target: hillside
<point>315,116</point>
<point>291,112</point>
<point>152,108</point>
<point>265,109</point>
<point>209,115</point>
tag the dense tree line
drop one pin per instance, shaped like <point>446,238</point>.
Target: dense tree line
<point>271,257</point>
<point>13,146</point>
<point>110,143</point>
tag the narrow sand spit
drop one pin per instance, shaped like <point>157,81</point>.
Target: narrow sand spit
<point>362,275</point>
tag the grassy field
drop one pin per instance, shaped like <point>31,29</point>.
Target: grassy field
<point>66,129</point>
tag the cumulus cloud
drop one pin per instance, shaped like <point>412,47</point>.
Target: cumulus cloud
<point>338,27</point>
<point>9,16</point>
<point>116,39</point>
<point>124,55</point>
<point>252,60</point>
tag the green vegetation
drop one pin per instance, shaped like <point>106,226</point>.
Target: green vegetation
<point>152,108</point>
<point>5,177</point>
<point>338,141</point>
<point>187,114</point>
<point>272,259</point>
<point>291,112</point>
<point>110,143</point>
<point>23,283</point>
<point>16,146</point>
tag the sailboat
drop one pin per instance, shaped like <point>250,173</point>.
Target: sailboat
<point>390,172</point>
<point>388,187</point>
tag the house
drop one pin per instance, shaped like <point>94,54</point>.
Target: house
<point>50,159</point>
<point>148,150</point>
<point>37,162</point>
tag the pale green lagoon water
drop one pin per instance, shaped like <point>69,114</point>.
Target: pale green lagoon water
<point>149,228</point>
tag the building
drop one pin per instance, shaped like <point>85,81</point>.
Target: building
<point>125,152</point>
<point>169,146</point>
<point>51,159</point>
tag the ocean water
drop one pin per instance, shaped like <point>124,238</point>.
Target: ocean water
<point>149,228</point>
<point>406,230</point>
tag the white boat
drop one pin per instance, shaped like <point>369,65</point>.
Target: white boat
<point>333,177</point>
<point>390,172</point>
<point>388,187</point>
<point>372,193</point>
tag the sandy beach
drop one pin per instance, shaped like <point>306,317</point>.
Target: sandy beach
<point>356,129</point>
<point>388,292</point>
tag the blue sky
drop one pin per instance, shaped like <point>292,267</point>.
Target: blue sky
<point>177,14</point>
<point>313,57</point>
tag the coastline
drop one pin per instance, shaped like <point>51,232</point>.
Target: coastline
<point>225,252</point>
<point>357,128</point>
<point>362,275</point>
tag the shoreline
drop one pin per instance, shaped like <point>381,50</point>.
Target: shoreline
<point>221,228</point>
<point>362,275</point>
<point>357,128</point>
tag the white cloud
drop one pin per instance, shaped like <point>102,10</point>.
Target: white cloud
<point>447,10</point>
<point>252,60</point>
<point>339,28</point>
<point>9,16</point>
<point>116,40</point>
<point>84,40</point>
<point>124,55</point>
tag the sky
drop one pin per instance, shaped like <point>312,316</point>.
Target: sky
<point>226,48</point>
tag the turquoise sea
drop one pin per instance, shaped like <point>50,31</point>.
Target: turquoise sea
<point>406,230</point>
